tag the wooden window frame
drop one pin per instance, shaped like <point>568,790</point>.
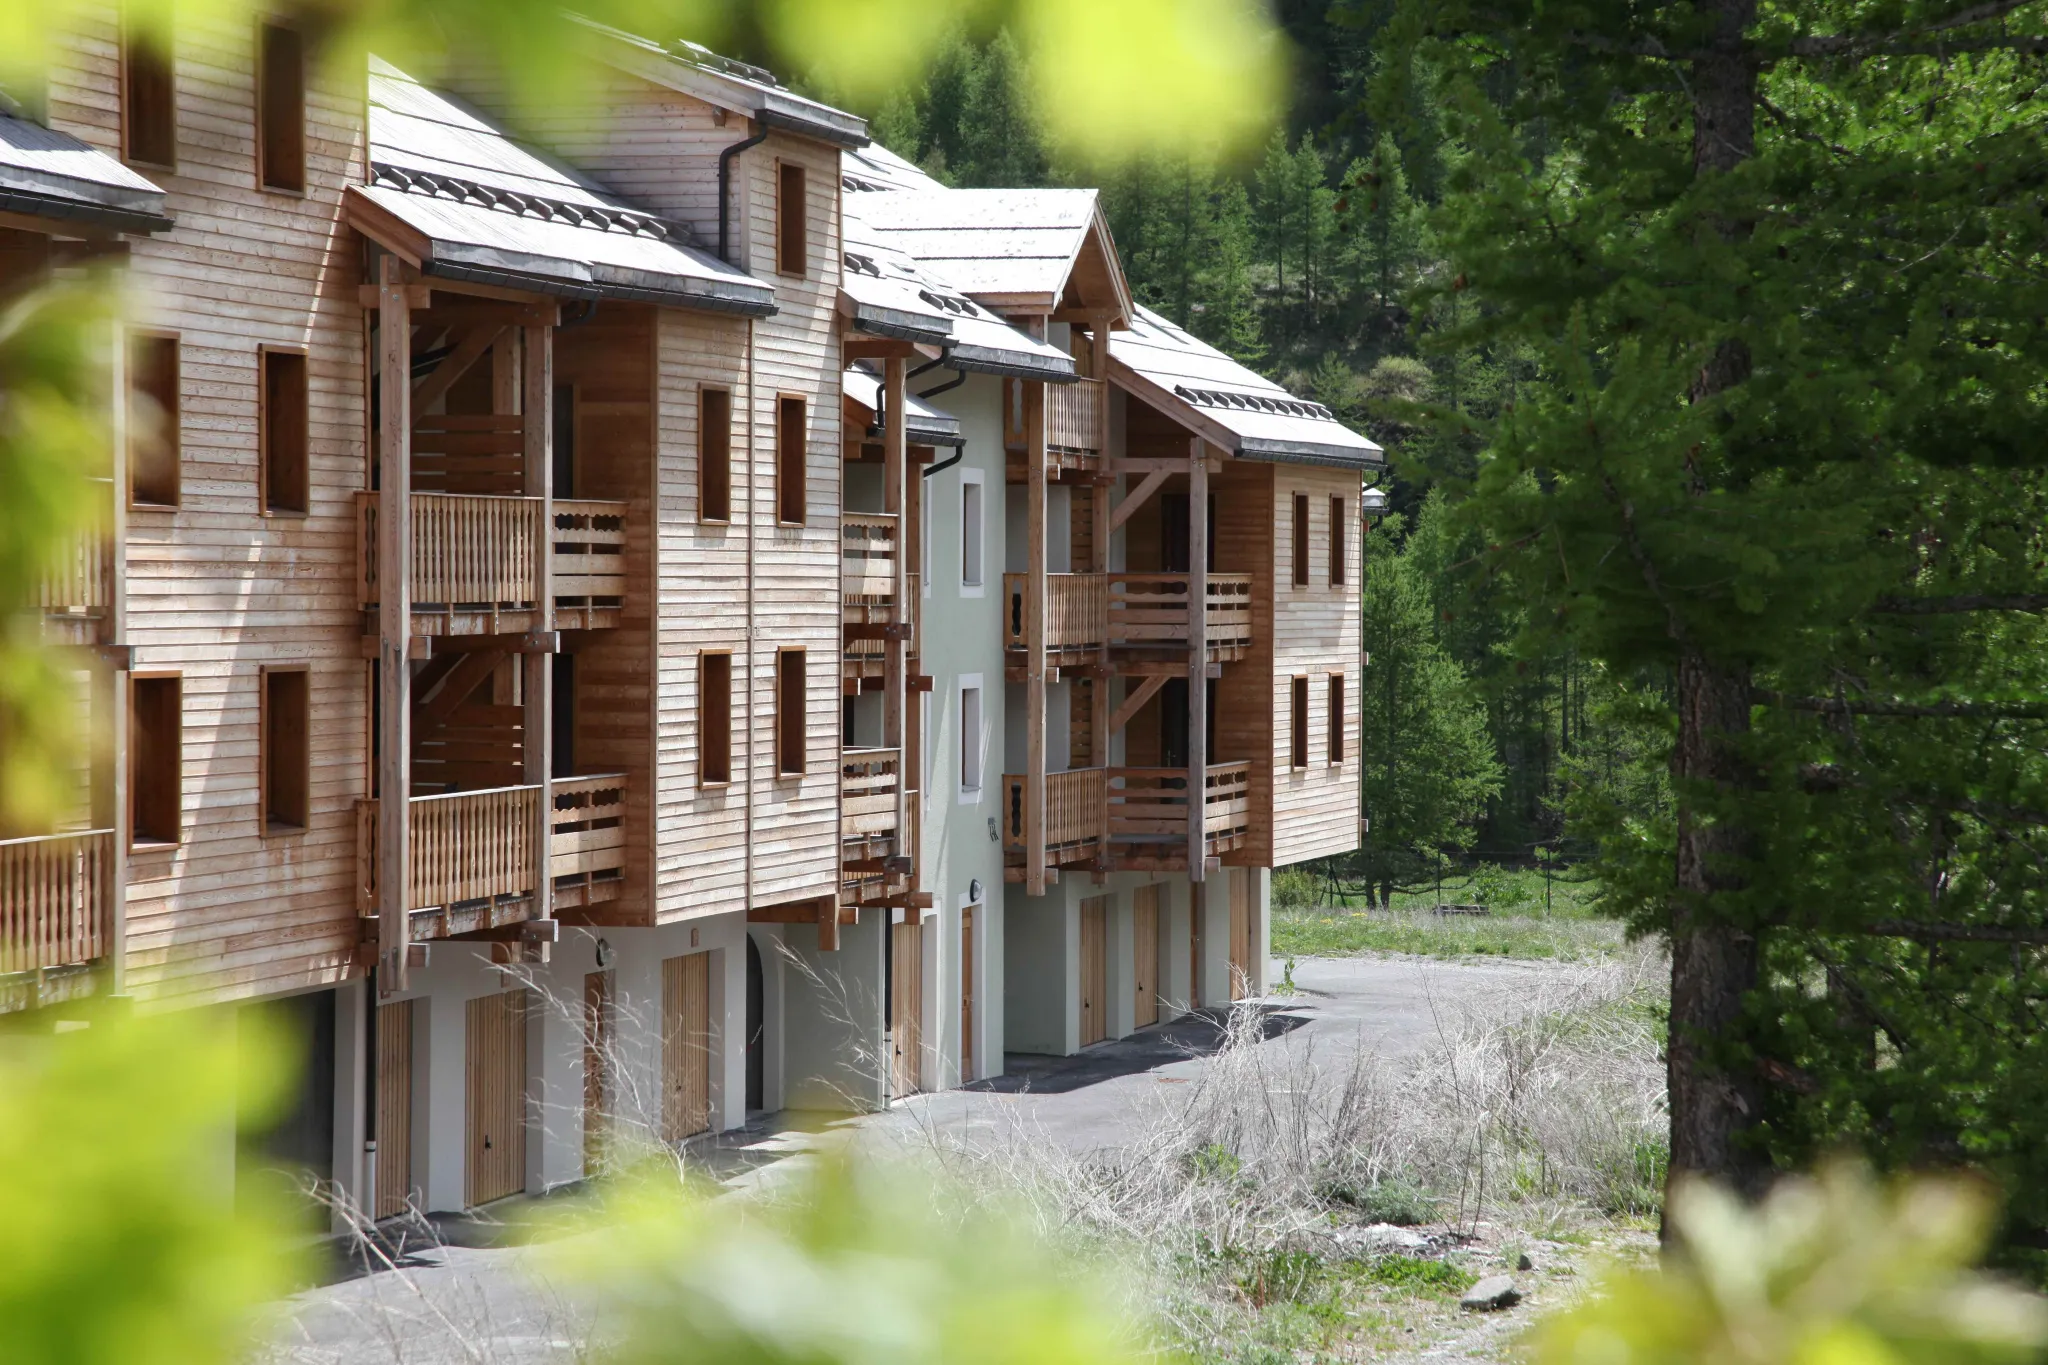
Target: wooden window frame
<point>1297,716</point>
<point>130,45</point>
<point>792,232</point>
<point>1340,542</point>
<point>704,391</point>
<point>268,827</point>
<point>264,506</point>
<point>136,841</point>
<point>174,431</point>
<point>1301,568</point>
<point>1333,743</point>
<point>783,732</point>
<point>260,142</point>
<point>704,657</point>
<point>803,462</point>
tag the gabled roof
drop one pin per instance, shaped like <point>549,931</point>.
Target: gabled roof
<point>875,167</point>
<point>1008,248</point>
<point>1234,407</point>
<point>927,426</point>
<point>48,174</point>
<point>728,84</point>
<point>452,191</point>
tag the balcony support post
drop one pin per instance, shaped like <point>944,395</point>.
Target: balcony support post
<point>1099,498</point>
<point>537,671</point>
<point>110,801</point>
<point>1035,589</point>
<point>394,622</point>
<point>1198,659</point>
<point>895,501</point>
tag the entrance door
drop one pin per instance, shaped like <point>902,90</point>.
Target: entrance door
<point>757,1029</point>
<point>599,1067</point>
<point>685,1046</point>
<point>1094,969</point>
<point>1237,885</point>
<point>394,1108</point>
<point>1145,957</point>
<point>497,1097</point>
<point>967,994</point>
<point>906,1007</point>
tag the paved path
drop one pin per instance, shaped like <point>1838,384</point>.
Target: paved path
<point>475,1304</point>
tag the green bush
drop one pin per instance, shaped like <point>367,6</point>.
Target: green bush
<point>1390,1200</point>
<point>1500,889</point>
<point>1294,888</point>
<point>1420,1275</point>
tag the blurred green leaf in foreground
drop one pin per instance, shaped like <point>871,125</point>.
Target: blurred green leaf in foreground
<point>1830,1271</point>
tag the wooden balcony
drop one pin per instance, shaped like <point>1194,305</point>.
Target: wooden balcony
<point>868,551</point>
<point>1073,417</point>
<point>1132,611</point>
<point>1075,813</point>
<point>77,591</point>
<point>587,839</point>
<point>865,648</point>
<point>874,853</point>
<point>56,915</point>
<point>476,560</point>
<point>1144,810</point>
<point>473,865</point>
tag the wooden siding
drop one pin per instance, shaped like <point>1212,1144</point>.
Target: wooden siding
<point>215,588</point>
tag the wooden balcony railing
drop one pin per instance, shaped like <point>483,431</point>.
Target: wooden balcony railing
<point>1074,809</point>
<point>1076,610</point>
<point>867,808</point>
<point>55,900</point>
<point>1152,609</point>
<point>1073,416</point>
<point>587,838</point>
<point>80,585</point>
<point>1151,804</point>
<point>478,554</point>
<point>466,846</point>
<point>867,555</point>
<point>590,551</point>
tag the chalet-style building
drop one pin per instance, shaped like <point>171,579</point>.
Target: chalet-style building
<point>668,615</point>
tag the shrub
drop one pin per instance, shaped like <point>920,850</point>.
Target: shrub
<point>1499,888</point>
<point>1294,888</point>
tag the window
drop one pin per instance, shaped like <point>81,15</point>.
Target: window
<point>971,532</point>
<point>792,245</point>
<point>789,711</point>
<point>156,759</point>
<point>790,462</point>
<point>280,107</point>
<point>714,718</point>
<point>1301,540</point>
<point>714,455</point>
<point>153,420</point>
<point>287,750</point>
<point>1298,724</point>
<point>1339,551</point>
<point>564,422</point>
<point>970,739</point>
<point>149,116</point>
<point>283,433</point>
<point>1336,718</point>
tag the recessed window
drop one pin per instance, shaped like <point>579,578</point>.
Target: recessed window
<point>792,240</point>
<point>281,107</point>
<point>1301,540</point>
<point>285,436</point>
<point>790,698</point>
<point>1297,732</point>
<point>970,740</point>
<point>149,118</point>
<point>790,461</point>
<point>714,455</point>
<point>287,750</point>
<point>714,718</point>
<point>970,532</point>
<point>1336,718</point>
<point>156,760</point>
<point>153,420</point>
<point>1339,549</point>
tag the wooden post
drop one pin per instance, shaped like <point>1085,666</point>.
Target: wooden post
<point>1034,639</point>
<point>895,501</point>
<point>537,681</point>
<point>394,622</point>
<point>110,692</point>
<point>1100,498</point>
<point>1198,659</point>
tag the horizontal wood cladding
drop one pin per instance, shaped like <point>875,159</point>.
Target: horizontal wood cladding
<point>216,589</point>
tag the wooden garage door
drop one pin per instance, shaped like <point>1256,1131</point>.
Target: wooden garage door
<point>1145,957</point>
<point>906,1008</point>
<point>394,1108</point>
<point>1237,882</point>
<point>598,1066</point>
<point>685,1046</point>
<point>1094,969</point>
<point>967,994</point>
<point>497,1097</point>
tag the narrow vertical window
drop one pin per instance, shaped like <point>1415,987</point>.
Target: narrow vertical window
<point>1336,718</point>
<point>714,719</point>
<point>156,760</point>
<point>284,433</point>
<point>287,750</point>
<point>714,455</point>
<point>792,241</point>
<point>153,384</point>
<point>1301,540</point>
<point>790,461</point>
<point>1297,731</point>
<point>970,533</point>
<point>149,117</point>
<point>1339,542</point>
<point>280,107</point>
<point>970,740</point>
<point>790,698</point>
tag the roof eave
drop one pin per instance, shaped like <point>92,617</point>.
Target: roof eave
<point>898,325</point>
<point>1262,451</point>
<point>68,210</point>
<point>1011,364</point>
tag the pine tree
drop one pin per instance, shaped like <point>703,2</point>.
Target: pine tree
<point>1229,314</point>
<point>1000,142</point>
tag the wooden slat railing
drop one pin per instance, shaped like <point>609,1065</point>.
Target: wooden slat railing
<point>587,828</point>
<point>467,550</point>
<point>81,582</point>
<point>466,846</point>
<point>590,550</point>
<point>1227,802</point>
<point>54,900</point>
<point>867,808</point>
<point>1076,610</point>
<point>867,554</point>
<point>1151,804</point>
<point>1073,416</point>
<point>1074,809</point>
<point>1152,609</point>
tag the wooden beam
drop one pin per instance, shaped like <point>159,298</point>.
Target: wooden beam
<point>1138,497</point>
<point>1035,590</point>
<point>802,912</point>
<point>1016,875</point>
<point>827,912</point>
<point>475,342</point>
<point>1198,658</point>
<point>459,683</point>
<point>1136,701</point>
<point>1172,668</point>
<point>536,392</point>
<point>394,624</point>
<point>895,501</point>
<point>419,296</point>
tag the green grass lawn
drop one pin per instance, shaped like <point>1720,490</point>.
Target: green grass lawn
<point>1525,918</point>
